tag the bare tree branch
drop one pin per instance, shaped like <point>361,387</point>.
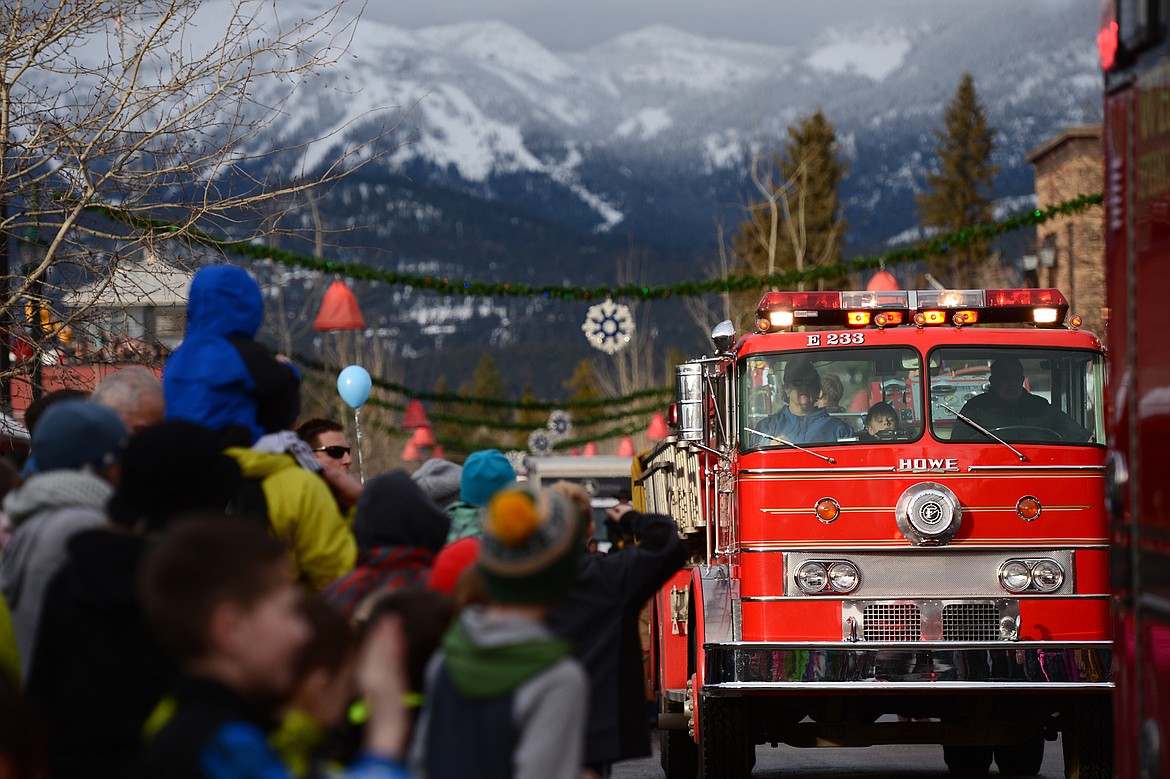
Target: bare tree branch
<point>166,110</point>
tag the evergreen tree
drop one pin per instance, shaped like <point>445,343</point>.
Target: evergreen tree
<point>446,431</point>
<point>798,223</point>
<point>959,191</point>
<point>531,419</point>
<point>582,385</point>
<point>487,382</point>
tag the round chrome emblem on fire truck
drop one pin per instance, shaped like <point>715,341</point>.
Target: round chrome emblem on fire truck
<point>928,514</point>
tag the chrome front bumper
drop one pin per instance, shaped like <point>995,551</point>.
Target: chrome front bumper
<point>740,667</point>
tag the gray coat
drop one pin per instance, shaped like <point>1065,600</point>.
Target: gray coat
<point>48,510</point>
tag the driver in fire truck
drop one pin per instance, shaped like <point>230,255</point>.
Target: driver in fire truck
<point>1008,406</point>
<point>800,421</point>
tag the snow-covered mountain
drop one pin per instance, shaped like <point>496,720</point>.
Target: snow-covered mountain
<point>649,133</point>
<point>518,163</point>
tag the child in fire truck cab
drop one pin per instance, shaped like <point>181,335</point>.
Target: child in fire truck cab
<point>881,423</point>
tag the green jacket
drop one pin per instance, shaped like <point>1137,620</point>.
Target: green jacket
<point>464,521</point>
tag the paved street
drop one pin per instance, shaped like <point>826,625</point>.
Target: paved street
<point>887,762</point>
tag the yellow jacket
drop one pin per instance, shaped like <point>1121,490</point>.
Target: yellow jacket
<point>9,654</point>
<point>303,514</point>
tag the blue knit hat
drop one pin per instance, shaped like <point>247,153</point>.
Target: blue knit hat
<point>78,434</point>
<point>485,473</point>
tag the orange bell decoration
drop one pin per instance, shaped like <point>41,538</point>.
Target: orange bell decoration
<point>658,428</point>
<point>882,281</point>
<point>410,453</point>
<point>423,437</point>
<point>415,416</point>
<point>626,447</point>
<point>339,310</point>
<point>590,450</point>
<point>438,453</point>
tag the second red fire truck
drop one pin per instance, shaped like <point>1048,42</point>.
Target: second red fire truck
<point>938,576</point>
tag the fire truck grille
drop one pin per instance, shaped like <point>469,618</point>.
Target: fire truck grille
<point>892,622</point>
<point>970,622</point>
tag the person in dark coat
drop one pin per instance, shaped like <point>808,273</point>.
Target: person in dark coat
<point>96,671</point>
<point>398,529</point>
<point>1008,404</point>
<point>600,616</point>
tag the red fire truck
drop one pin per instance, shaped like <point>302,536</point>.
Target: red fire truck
<point>942,580</point>
<point>1135,55</point>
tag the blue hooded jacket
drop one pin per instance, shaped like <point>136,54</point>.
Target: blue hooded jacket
<point>815,428</point>
<point>219,377</point>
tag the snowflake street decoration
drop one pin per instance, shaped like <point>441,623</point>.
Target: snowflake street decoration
<point>540,442</point>
<point>609,326</point>
<point>560,425</point>
<point>516,458</point>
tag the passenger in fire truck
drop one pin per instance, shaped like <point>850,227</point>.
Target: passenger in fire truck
<point>800,421</point>
<point>881,423</point>
<point>832,390</point>
<point>1011,412</point>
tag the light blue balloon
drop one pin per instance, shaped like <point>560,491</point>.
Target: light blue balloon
<point>353,384</point>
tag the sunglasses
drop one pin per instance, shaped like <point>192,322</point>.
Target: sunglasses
<point>336,452</point>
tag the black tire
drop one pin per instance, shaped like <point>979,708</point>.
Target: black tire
<point>1021,759</point>
<point>967,761</point>
<point>725,752</point>
<point>679,754</point>
<point>1088,739</point>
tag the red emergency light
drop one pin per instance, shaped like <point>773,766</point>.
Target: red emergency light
<point>1107,37</point>
<point>925,308</point>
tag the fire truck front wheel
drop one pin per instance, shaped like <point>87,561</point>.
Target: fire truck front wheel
<point>1021,759</point>
<point>1088,739</point>
<point>967,760</point>
<point>678,753</point>
<point>725,751</point>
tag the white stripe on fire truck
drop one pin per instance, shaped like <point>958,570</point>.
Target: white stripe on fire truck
<point>816,544</point>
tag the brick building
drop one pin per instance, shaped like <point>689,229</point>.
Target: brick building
<point>1071,249</point>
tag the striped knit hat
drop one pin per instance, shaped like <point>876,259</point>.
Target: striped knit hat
<point>531,546</point>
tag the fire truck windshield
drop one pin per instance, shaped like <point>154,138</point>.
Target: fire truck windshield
<point>847,396</point>
<point>1017,395</point>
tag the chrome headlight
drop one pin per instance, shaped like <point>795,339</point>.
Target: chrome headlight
<point>811,577</point>
<point>843,576</point>
<point>1014,576</point>
<point>1047,575</point>
<point>1031,575</point>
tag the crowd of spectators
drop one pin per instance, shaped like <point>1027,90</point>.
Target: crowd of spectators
<point>193,589</point>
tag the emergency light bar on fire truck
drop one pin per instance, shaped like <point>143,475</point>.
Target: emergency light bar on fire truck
<point>924,308</point>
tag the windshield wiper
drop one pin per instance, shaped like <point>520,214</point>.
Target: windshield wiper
<point>985,431</point>
<point>786,442</point>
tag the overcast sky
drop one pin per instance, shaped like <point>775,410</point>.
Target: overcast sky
<point>572,25</point>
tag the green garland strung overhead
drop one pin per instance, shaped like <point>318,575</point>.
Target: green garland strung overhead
<point>643,413</point>
<point>519,405</point>
<point>467,447</point>
<point>734,283</point>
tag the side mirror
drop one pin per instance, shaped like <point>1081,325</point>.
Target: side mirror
<point>692,408</point>
<point>723,335</point>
